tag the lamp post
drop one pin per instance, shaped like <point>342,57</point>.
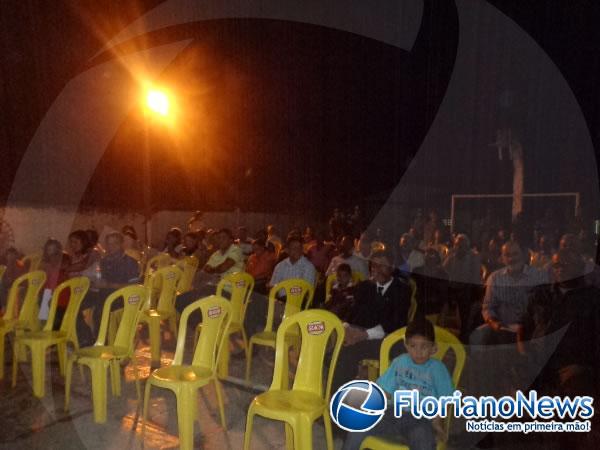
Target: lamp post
<point>157,105</point>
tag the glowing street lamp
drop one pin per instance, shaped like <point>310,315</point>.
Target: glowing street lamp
<point>158,102</point>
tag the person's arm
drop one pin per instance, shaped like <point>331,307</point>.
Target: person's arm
<point>224,266</point>
<point>488,308</point>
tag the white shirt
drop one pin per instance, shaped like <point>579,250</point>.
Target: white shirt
<point>302,269</point>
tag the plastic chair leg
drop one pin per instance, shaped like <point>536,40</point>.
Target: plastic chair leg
<point>223,369</point>
<point>289,437</point>
<point>68,377</point>
<point>2,335</point>
<point>15,364</point>
<point>249,360</point>
<point>138,389</point>
<point>98,371</point>
<point>154,332</point>
<point>328,430</point>
<point>219,390</point>
<point>303,434</point>
<point>61,349</point>
<point>248,432</point>
<point>115,378</point>
<point>173,325</point>
<point>38,368</point>
<point>186,414</point>
<point>146,405</point>
<point>245,341</point>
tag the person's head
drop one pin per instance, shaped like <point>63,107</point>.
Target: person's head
<point>544,243</point>
<point>309,234</point>
<point>93,236</point>
<point>343,274</point>
<point>493,247</point>
<point>462,244</point>
<point>364,244</point>
<point>407,242</point>
<point>242,234</point>
<point>567,266</point>
<point>53,249</point>
<point>433,215</point>
<point>129,230</point>
<point>412,231</point>
<point>79,242</point>
<point>438,236</point>
<point>259,246</point>
<point>432,258</point>
<point>512,256</point>
<point>224,239</point>
<point>294,248</point>
<point>11,255</point>
<point>346,246</point>
<point>271,230</point>
<point>382,266</point>
<point>569,242</point>
<point>419,340</point>
<point>191,240</point>
<point>502,235</point>
<point>114,243</point>
<point>173,238</point>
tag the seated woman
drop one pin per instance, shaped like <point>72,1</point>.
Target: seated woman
<point>81,256</point>
<point>172,244</point>
<point>131,244</point>
<point>342,293</point>
<point>55,263</point>
<point>260,265</point>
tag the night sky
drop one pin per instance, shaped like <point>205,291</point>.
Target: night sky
<point>278,115</point>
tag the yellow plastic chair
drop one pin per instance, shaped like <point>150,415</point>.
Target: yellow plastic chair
<point>308,400</point>
<point>299,296</point>
<point>156,262</point>
<point>240,285</point>
<point>39,341</point>
<point>17,319</point>
<point>100,356</point>
<point>164,308</point>
<point>189,267</point>
<point>32,261</point>
<point>444,341</point>
<point>357,277</point>
<point>185,380</point>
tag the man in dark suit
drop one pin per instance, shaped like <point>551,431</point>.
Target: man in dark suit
<point>381,306</point>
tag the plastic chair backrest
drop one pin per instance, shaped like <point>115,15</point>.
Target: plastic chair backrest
<point>216,318</point>
<point>156,262</point>
<point>165,280</point>
<point>296,290</point>
<point>316,328</point>
<point>77,288</point>
<point>412,310</point>
<point>189,267</point>
<point>357,277</point>
<point>2,270</point>
<point>133,297</point>
<point>240,285</point>
<point>444,341</point>
<point>32,261</point>
<point>29,306</point>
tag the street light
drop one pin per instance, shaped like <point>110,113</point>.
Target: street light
<point>158,104</point>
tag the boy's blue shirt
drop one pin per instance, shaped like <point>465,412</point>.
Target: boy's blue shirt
<point>430,379</point>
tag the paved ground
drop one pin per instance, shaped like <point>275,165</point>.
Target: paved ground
<point>28,423</point>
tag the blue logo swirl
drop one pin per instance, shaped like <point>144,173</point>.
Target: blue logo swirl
<point>358,405</point>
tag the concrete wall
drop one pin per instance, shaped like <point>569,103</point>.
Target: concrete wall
<point>27,228</point>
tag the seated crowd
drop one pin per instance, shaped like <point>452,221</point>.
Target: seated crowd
<point>502,292</point>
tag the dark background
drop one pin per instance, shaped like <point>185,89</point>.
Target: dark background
<point>280,115</point>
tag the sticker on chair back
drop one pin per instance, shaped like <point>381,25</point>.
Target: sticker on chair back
<point>316,327</point>
<point>35,282</point>
<point>133,299</point>
<point>240,284</point>
<point>78,290</point>
<point>170,275</point>
<point>214,312</point>
<point>295,290</point>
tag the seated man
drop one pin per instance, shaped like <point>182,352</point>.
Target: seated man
<point>347,256</point>
<point>227,259</point>
<point>381,306</point>
<point>505,300</point>
<point>117,270</point>
<point>342,293</point>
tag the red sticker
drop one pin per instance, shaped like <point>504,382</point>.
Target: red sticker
<point>133,299</point>
<point>295,290</point>
<point>213,312</point>
<point>240,284</point>
<point>316,328</point>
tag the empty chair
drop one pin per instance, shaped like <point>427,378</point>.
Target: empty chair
<point>21,315</point>
<point>39,341</point>
<point>100,357</point>
<point>185,380</point>
<point>308,400</point>
<point>189,267</point>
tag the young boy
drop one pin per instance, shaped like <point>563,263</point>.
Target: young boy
<point>413,370</point>
<point>342,293</point>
